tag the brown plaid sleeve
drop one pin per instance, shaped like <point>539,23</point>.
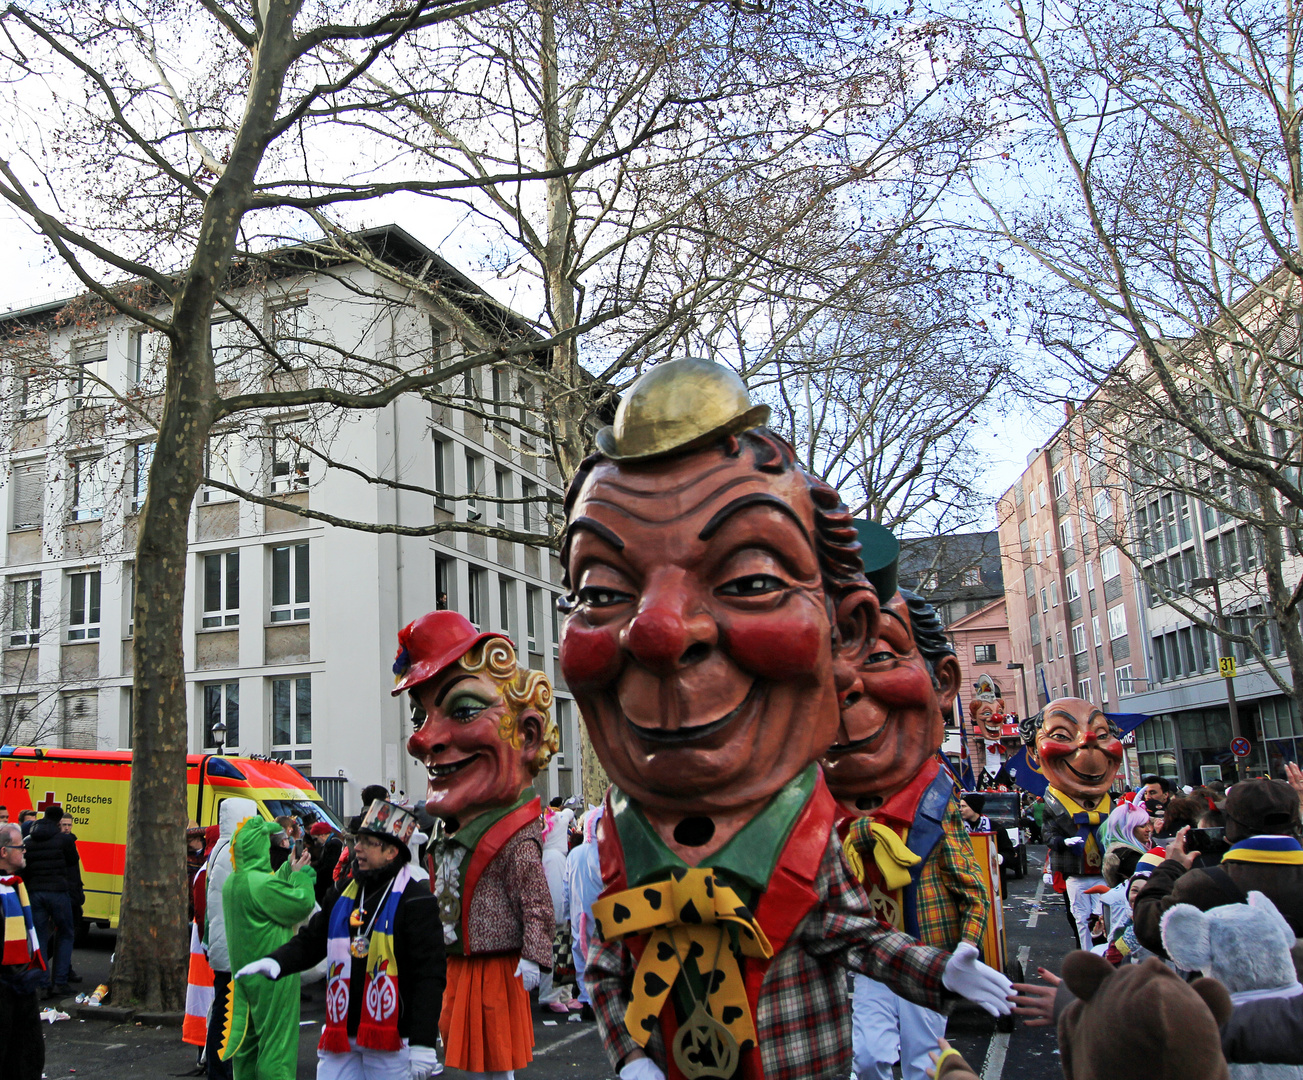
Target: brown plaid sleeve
<point>608,977</point>
<point>855,939</point>
<point>962,880</point>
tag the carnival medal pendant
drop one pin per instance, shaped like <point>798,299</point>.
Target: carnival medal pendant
<point>449,906</point>
<point>704,1049</point>
<point>359,946</point>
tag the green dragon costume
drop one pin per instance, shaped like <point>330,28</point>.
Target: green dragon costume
<point>261,909</point>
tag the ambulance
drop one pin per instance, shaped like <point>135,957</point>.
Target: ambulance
<point>92,787</point>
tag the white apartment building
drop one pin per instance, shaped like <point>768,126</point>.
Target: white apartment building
<point>290,625</point>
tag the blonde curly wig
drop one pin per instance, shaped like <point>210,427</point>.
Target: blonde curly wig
<point>523,689</point>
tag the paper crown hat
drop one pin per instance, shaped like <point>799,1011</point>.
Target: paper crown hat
<point>880,554</point>
<point>677,406</point>
<point>390,821</point>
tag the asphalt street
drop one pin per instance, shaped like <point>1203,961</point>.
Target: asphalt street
<point>1038,934</point>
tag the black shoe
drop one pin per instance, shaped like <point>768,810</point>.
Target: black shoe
<point>62,990</point>
<point>74,978</point>
<point>586,1013</point>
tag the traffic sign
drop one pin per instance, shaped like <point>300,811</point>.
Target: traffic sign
<point>1226,667</point>
<point>1240,747</point>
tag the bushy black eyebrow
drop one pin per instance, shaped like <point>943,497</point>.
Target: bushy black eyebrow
<point>756,498</point>
<point>595,526</point>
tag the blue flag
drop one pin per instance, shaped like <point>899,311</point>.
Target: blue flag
<point>1030,778</point>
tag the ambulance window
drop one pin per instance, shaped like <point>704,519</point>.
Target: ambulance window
<point>305,810</point>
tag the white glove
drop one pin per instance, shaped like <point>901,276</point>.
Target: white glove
<point>266,966</point>
<point>529,974</point>
<point>642,1068</point>
<point>968,977</point>
<point>1074,841</point>
<point>1048,877</point>
<point>423,1061</point>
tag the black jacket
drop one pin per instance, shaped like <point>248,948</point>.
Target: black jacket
<point>418,949</point>
<point>52,862</point>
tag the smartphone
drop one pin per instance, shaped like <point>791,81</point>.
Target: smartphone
<point>1204,839</point>
<point>298,848</point>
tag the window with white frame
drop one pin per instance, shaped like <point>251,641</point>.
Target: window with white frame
<point>1108,563</point>
<point>221,463</point>
<point>1117,622</point>
<point>1060,483</point>
<point>1123,675</point>
<point>507,605</point>
<point>222,589</point>
<point>477,583</point>
<point>90,372</point>
<point>984,654</point>
<point>1095,630</point>
<point>1065,533</point>
<point>1083,689</point>
<point>1079,638</point>
<point>1072,585</point>
<point>1045,600</point>
<point>146,354</point>
<point>84,605</point>
<point>222,705</point>
<point>533,616</point>
<point>291,718</point>
<point>1041,492</point>
<point>1076,466</point>
<point>88,487</point>
<point>142,457</point>
<point>1103,688</point>
<point>291,332</point>
<point>28,494</point>
<point>1103,505</point>
<point>1054,593</point>
<point>474,484</point>
<point>1058,641</point>
<point>1031,501</point>
<point>527,417</point>
<point>1090,573</point>
<point>129,596</point>
<point>445,577</point>
<point>229,338</point>
<point>552,600</point>
<point>442,472</point>
<point>501,392</point>
<point>289,460</point>
<point>25,611</point>
<point>1049,544</point>
<point>35,390</point>
<point>290,583</point>
<point>529,510</point>
<point>502,492</point>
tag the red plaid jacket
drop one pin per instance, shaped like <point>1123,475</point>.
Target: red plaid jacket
<point>798,999</point>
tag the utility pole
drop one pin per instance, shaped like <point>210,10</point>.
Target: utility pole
<point>1224,648</point>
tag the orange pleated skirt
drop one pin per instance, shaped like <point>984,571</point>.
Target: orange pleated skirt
<point>486,1023</point>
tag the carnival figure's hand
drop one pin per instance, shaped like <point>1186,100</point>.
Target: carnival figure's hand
<point>266,966</point>
<point>968,977</point>
<point>423,1062</point>
<point>529,974</point>
<point>641,1068</point>
<point>1074,841</point>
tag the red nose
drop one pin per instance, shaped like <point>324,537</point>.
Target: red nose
<point>665,636</point>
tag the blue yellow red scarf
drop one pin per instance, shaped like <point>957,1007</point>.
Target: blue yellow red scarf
<point>21,948</point>
<point>377,1028</point>
<point>1267,849</point>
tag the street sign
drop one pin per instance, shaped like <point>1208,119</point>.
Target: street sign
<point>1240,747</point>
<point>1226,667</point>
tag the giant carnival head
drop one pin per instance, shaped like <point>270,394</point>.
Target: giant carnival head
<point>715,599</point>
<point>986,709</point>
<point>893,716</point>
<point>1076,746</point>
<point>483,724</point>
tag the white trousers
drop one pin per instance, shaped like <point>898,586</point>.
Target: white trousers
<point>1083,905</point>
<point>362,1064</point>
<point>886,1028</point>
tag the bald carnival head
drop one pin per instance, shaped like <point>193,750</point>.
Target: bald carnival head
<point>1077,747</point>
<point>716,606</point>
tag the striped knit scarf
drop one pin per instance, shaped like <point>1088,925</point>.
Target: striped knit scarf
<point>377,1027</point>
<point>21,948</point>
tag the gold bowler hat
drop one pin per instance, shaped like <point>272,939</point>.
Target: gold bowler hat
<point>678,406</point>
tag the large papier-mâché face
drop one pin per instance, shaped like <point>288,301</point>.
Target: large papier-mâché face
<point>700,644</point>
<point>892,719</point>
<point>1078,748</point>
<point>475,756</point>
<point>986,717</point>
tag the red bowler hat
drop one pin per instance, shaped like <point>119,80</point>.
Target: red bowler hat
<point>429,644</point>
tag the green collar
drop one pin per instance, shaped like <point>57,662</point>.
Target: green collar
<point>747,860</point>
<point>473,831</point>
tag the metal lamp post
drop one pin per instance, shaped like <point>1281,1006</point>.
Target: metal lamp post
<point>1225,650</point>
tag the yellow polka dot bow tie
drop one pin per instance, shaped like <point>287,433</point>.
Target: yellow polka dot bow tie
<point>687,918</point>
<point>892,857</point>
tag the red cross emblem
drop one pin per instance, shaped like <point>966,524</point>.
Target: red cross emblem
<point>47,802</point>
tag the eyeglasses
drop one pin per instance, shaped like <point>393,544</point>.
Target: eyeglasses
<point>22,845</point>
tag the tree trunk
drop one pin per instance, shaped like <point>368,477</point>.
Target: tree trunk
<point>1279,591</point>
